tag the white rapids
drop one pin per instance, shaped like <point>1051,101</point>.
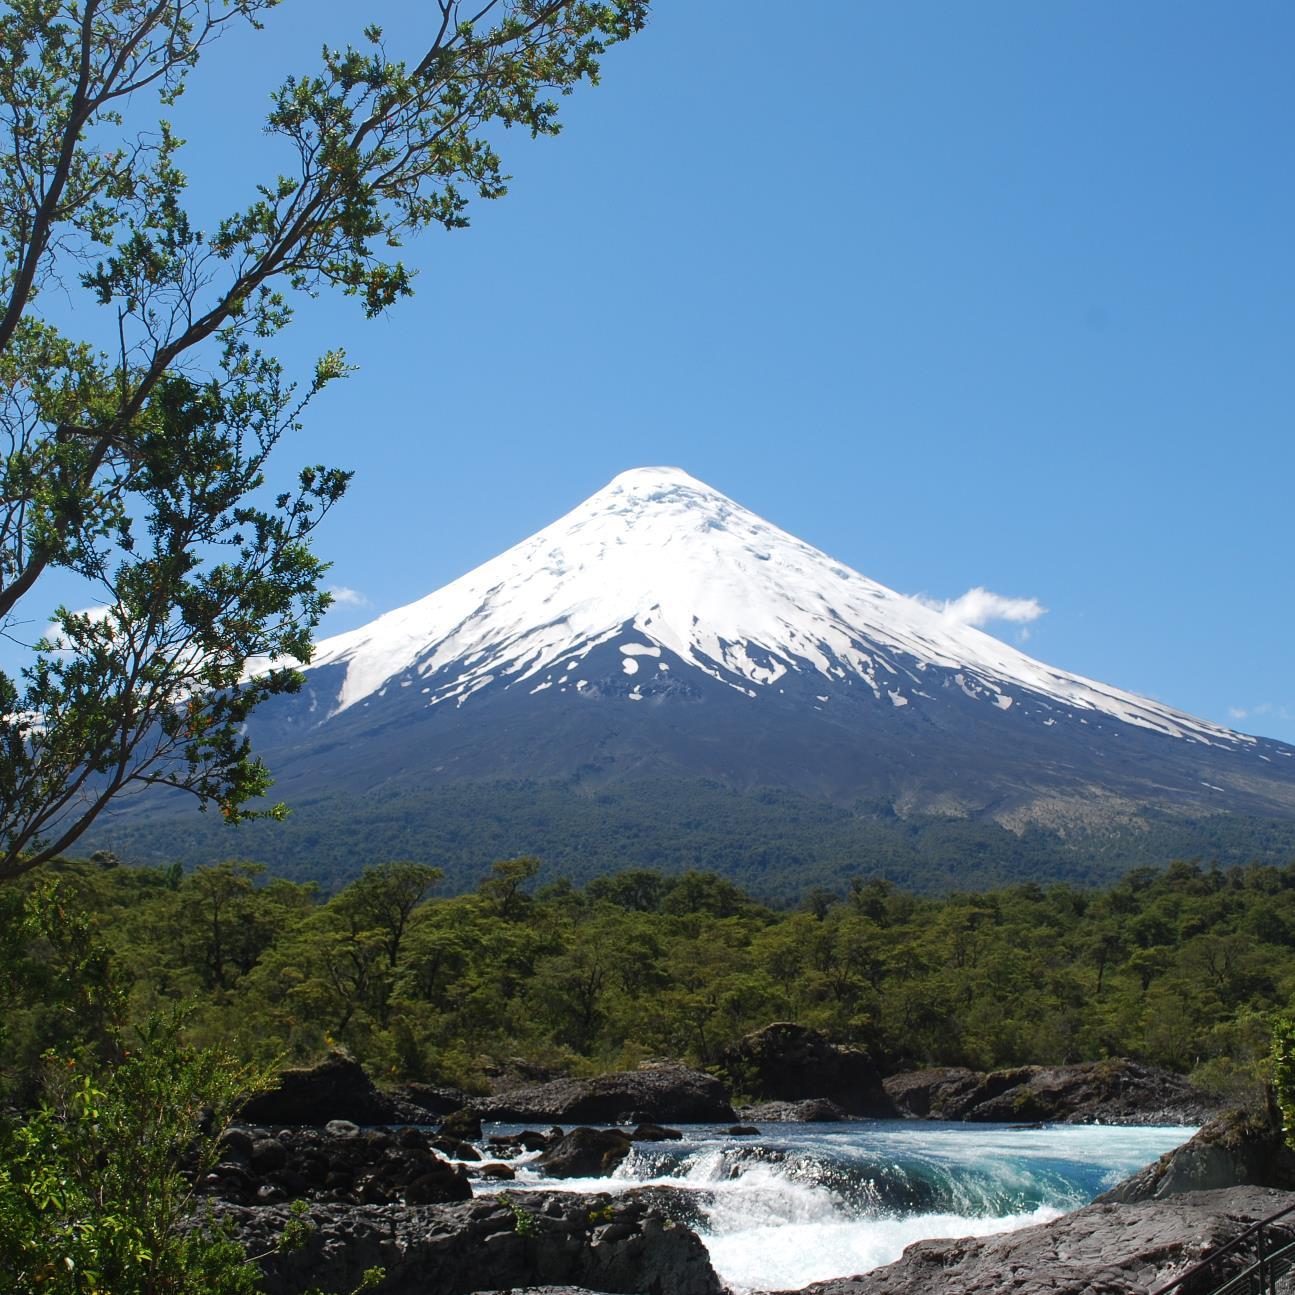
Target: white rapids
<point>805,1203</point>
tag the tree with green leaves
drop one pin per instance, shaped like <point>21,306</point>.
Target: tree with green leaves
<point>384,897</point>
<point>137,454</point>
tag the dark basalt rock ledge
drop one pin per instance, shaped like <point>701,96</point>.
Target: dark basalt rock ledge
<point>671,1094</point>
<point>337,1088</point>
<point>598,1243</point>
<point>1236,1147</point>
<point>1098,1250</point>
<point>1114,1091</point>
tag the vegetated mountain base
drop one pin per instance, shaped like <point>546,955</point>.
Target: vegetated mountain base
<point>1180,968</point>
<point>773,842</point>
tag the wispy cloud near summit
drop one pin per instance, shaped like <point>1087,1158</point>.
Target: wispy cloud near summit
<point>979,606</point>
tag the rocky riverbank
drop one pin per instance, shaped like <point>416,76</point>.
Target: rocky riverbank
<point>1116,1091</point>
<point>1103,1249</point>
<point>599,1243</point>
<point>789,1073</point>
<point>408,1199</point>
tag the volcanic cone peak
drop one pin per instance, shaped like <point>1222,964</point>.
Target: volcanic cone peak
<point>676,575</point>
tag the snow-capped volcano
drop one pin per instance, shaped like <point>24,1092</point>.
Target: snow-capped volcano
<point>671,573</point>
<point>662,679</point>
<point>663,636</point>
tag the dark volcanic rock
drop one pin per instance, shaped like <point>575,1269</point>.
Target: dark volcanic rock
<point>433,1098</point>
<point>464,1125</point>
<point>516,1143</point>
<point>336,1089</point>
<point>543,1290</point>
<point>597,1243</point>
<point>817,1110</point>
<point>788,1062</point>
<point>932,1094</point>
<point>339,1163</point>
<point>584,1153</point>
<point>1232,1150</point>
<point>1106,1249</point>
<point>1117,1091</point>
<point>671,1094</point>
<point>655,1133</point>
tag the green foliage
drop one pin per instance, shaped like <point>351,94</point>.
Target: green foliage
<point>523,1219</point>
<point>1182,967</point>
<point>140,472</point>
<point>1283,1072</point>
<point>96,1190</point>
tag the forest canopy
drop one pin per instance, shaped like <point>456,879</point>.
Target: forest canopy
<point>1182,967</point>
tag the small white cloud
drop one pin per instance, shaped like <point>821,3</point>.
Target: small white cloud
<point>979,606</point>
<point>1256,712</point>
<point>344,597</point>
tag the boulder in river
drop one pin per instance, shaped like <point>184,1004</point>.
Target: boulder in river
<point>816,1110</point>
<point>1115,1091</point>
<point>335,1089</point>
<point>463,1125</point>
<point>584,1153</point>
<point>655,1133</point>
<point>516,1241</point>
<point>789,1063</point>
<point>664,1094</point>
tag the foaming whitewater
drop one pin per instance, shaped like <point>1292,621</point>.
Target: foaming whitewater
<point>805,1203</point>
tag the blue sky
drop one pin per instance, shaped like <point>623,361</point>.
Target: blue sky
<point>997,294</point>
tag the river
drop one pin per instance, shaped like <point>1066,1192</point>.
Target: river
<point>806,1202</point>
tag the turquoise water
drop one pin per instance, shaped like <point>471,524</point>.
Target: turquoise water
<point>803,1203</point>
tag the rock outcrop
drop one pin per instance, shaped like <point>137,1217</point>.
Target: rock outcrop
<point>1092,1092</point>
<point>1232,1150</point>
<point>790,1063</point>
<point>335,1089</point>
<point>433,1098</point>
<point>463,1124</point>
<point>338,1163</point>
<point>1102,1249</point>
<point>584,1153</point>
<point>597,1243</point>
<point>670,1094</point>
<point>816,1110</point>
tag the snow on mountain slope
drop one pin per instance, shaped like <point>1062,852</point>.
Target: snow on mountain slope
<point>697,575</point>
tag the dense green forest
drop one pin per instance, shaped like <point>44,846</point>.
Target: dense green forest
<point>772,842</point>
<point>1182,967</point>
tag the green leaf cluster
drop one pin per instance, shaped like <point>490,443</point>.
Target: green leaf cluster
<point>97,1168</point>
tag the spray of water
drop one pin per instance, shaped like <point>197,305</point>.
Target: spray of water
<point>810,1203</point>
